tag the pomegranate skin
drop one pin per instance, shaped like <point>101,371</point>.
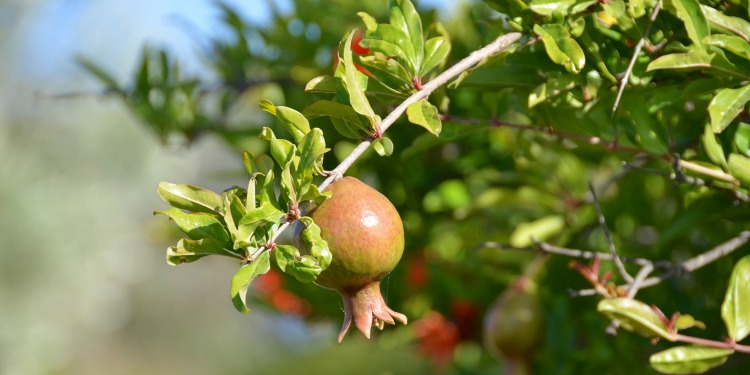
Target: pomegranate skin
<point>366,238</point>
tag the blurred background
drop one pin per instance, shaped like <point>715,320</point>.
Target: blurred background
<point>84,287</point>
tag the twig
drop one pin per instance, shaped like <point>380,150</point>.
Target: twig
<point>474,58</point>
<point>572,253</point>
<point>615,258</point>
<point>636,51</point>
<point>672,270</point>
<point>640,277</point>
<point>700,260</point>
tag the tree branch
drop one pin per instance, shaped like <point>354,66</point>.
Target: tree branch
<point>615,258</point>
<point>672,270</point>
<point>700,260</point>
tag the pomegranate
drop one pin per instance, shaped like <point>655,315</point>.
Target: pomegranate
<point>513,326</point>
<point>366,238</point>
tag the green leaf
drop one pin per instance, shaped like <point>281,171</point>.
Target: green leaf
<point>695,59</point>
<point>634,316</point>
<point>389,73</point>
<point>735,310</point>
<point>188,251</point>
<point>391,42</point>
<point>735,25</point>
<point>731,43</point>
<point>234,210</point>
<point>311,193</point>
<point>739,167</point>
<point>304,268</point>
<point>288,186</point>
<point>282,150</point>
<point>742,139</point>
<point>688,359</point>
<point>266,213</point>
<point>424,114</point>
<point>257,165</point>
<point>560,47</point>
<point>244,277</point>
<point>648,129</point>
<point>509,7</point>
<point>726,105</point>
<point>315,245</point>
<point>103,77</point>
<point>322,84</point>
<point>553,87</point>
<point>549,7</point>
<point>689,11</point>
<point>383,146</point>
<point>405,17</point>
<point>687,321</point>
<point>356,92</point>
<point>436,51</point>
<point>338,111</point>
<point>540,230</point>
<point>370,22</point>
<point>311,150</point>
<point>197,226</point>
<point>190,198</point>
<point>294,122</point>
<point>712,147</point>
<point>636,8</point>
<point>267,191</point>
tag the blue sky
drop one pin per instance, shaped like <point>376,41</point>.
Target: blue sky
<point>46,35</point>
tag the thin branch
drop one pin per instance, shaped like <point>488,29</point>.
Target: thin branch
<point>640,277</point>
<point>474,58</point>
<point>672,270</point>
<point>636,51</point>
<point>701,260</point>
<point>615,258</point>
<point>572,253</point>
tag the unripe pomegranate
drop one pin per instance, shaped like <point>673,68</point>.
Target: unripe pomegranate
<point>366,238</point>
<point>514,324</point>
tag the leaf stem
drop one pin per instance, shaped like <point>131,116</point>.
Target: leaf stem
<point>714,344</point>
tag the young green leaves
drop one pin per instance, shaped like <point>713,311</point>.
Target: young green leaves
<point>398,58</point>
<point>403,40</point>
<point>244,223</point>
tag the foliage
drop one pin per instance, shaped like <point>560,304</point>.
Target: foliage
<point>644,99</point>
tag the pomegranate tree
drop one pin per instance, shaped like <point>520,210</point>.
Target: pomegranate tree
<point>366,238</point>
